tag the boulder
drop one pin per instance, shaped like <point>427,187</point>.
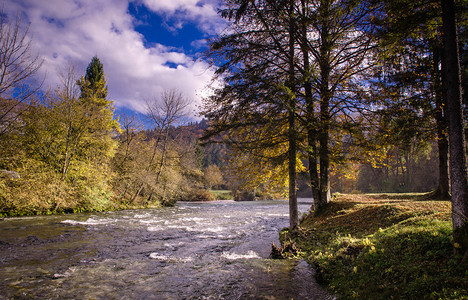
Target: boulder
<point>9,174</point>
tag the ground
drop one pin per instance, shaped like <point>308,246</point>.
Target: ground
<point>383,246</point>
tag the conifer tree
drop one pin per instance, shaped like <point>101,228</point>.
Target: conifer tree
<point>93,87</point>
<point>94,83</point>
<point>458,163</point>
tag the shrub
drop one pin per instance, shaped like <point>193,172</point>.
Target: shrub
<point>198,195</point>
<point>244,196</point>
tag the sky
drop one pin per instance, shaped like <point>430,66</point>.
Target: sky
<point>146,46</point>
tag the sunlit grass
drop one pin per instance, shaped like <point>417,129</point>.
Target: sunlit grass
<point>384,246</point>
<point>222,194</point>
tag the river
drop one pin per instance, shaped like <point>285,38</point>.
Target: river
<point>216,250</point>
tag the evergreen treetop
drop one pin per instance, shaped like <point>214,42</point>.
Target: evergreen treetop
<point>94,83</point>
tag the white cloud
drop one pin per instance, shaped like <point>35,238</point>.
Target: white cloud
<point>197,44</point>
<point>73,31</point>
<point>203,12</point>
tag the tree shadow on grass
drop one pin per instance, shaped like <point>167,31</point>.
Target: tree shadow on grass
<point>366,220</point>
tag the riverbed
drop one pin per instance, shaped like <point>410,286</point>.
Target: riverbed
<point>215,250</point>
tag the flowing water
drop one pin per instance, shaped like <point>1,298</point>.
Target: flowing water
<point>215,250</point>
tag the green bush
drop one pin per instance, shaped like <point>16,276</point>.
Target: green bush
<point>222,194</point>
<point>244,196</point>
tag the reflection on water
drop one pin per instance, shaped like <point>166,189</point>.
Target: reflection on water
<point>213,250</point>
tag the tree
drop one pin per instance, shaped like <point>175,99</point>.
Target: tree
<point>411,77</point>
<point>291,105</point>
<point>292,67</point>
<point>130,129</point>
<point>18,69</point>
<point>458,169</point>
<point>66,146</point>
<point>164,112</point>
<point>213,176</point>
<point>258,65</point>
<point>94,82</point>
<point>98,109</point>
<point>337,49</point>
<point>71,112</point>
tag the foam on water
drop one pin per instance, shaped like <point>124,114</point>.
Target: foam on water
<point>234,256</point>
<point>158,256</point>
<point>214,229</point>
<point>278,215</point>
<point>167,258</point>
<point>90,221</point>
<point>138,216</point>
<point>156,228</point>
<point>195,219</point>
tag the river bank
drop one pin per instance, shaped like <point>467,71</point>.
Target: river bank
<point>10,209</point>
<point>383,246</point>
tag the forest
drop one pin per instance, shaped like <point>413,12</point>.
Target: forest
<point>66,151</point>
<point>358,96</point>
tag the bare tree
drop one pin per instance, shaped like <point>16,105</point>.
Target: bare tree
<point>130,126</point>
<point>18,68</point>
<point>164,112</point>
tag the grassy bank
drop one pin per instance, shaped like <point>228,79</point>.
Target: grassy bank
<point>383,246</point>
<point>222,194</point>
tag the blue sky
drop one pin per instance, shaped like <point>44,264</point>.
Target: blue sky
<point>146,46</point>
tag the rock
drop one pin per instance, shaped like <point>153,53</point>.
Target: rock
<point>9,174</point>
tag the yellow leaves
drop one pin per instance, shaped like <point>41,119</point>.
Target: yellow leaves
<point>262,168</point>
<point>366,242</point>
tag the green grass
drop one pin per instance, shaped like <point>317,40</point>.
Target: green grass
<point>222,194</point>
<point>383,246</point>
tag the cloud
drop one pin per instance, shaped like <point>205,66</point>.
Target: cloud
<point>73,31</point>
<point>199,44</point>
<point>179,12</point>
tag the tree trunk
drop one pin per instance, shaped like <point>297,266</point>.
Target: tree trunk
<point>443,188</point>
<point>458,175</point>
<point>312,156</point>
<point>324,155</point>
<point>163,156</point>
<point>310,118</point>
<point>293,213</point>
<point>324,152</point>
